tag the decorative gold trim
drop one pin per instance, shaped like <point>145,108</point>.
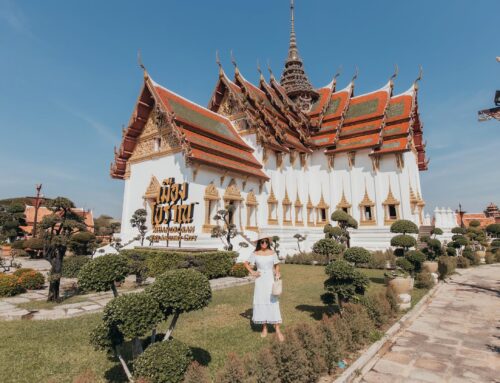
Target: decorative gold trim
<point>400,162</point>
<point>367,202</point>
<point>293,157</point>
<point>390,200</point>
<point>309,211</point>
<point>251,199</point>
<point>272,201</point>
<point>279,160</point>
<point>303,160</point>
<point>343,203</point>
<point>375,162</point>
<point>297,200</point>
<point>152,189</point>
<point>232,192</point>
<point>151,156</point>
<point>298,210</point>
<point>413,200</point>
<point>211,196</point>
<point>287,207</point>
<point>351,159</point>
<point>320,206</point>
<point>331,161</point>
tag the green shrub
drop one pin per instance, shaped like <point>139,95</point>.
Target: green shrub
<point>328,248</point>
<point>33,245</point>
<point>197,373</point>
<point>310,338</point>
<point>233,370</point>
<point>31,280</point>
<point>451,251</point>
<point>495,244</point>
<point>405,264</point>
<point>489,258</point>
<point>263,369</point>
<point>216,264</point>
<point>10,286</point>
<point>238,270</point>
<point>424,280</point>
<point>335,342</point>
<point>404,226</point>
<point>134,315</point>
<point>446,266</point>
<point>437,231</point>
<point>378,259</point>
<point>378,307</point>
<point>163,362</point>
<point>358,321</point>
<point>82,243</point>
<point>417,258</point>
<point>307,259</point>
<point>291,361</point>
<point>72,265</point>
<point>463,263</point>
<point>159,262</point>
<point>402,240</point>
<point>474,223</point>
<point>460,240</point>
<point>458,230</point>
<point>494,230</point>
<point>21,271</point>
<point>181,291</point>
<point>17,245</point>
<point>101,273</point>
<point>497,256</point>
<point>344,281</point>
<point>357,255</point>
<point>392,298</point>
<point>105,338</point>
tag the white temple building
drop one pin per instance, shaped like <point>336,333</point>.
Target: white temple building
<point>283,153</point>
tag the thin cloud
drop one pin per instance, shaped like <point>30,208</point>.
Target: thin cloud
<point>13,17</point>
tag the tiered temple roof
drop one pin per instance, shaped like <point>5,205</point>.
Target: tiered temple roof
<point>287,117</point>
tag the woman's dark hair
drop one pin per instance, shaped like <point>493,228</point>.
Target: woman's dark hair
<point>258,247</point>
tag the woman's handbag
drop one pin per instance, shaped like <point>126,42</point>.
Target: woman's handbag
<point>277,287</point>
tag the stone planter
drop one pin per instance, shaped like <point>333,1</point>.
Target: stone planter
<point>401,285</point>
<point>5,250</point>
<point>430,266</point>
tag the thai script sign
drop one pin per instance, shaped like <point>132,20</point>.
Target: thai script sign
<point>170,209</point>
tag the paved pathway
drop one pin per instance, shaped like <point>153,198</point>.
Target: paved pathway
<point>88,303</point>
<point>455,339</point>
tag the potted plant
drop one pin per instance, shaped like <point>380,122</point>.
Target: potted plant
<point>399,281</point>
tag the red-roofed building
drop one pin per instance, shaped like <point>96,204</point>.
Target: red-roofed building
<point>29,212</point>
<point>283,153</point>
<point>490,215</point>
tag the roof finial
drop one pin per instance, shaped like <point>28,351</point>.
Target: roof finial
<point>356,72</point>
<point>233,61</point>
<point>292,54</point>
<point>141,64</point>
<point>269,69</point>
<point>339,71</point>
<point>395,74</point>
<point>420,75</point>
<point>217,60</point>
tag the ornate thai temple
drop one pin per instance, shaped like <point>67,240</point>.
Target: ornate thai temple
<point>282,152</point>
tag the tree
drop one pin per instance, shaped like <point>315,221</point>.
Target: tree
<point>334,232</point>
<point>357,255</point>
<point>57,229</point>
<point>228,230</point>
<point>105,225</point>
<point>404,226</point>
<point>11,219</point>
<point>83,243</point>
<point>458,230</point>
<point>344,221</point>
<point>180,291</point>
<point>344,282</point>
<point>138,221</point>
<point>436,231</point>
<point>328,248</point>
<point>300,238</point>
<point>403,240</point>
<point>101,273</point>
<point>493,230</point>
<point>434,248</point>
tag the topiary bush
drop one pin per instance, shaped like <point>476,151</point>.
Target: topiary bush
<point>216,264</point>
<point>328,248</point>
<point>404,241</point>
<point>163,362</point>
<point>101,273</point>
<point>493,230</point>
<point>460,240</point>
<point>446,266</point>
<point>451,251</point>
<point>357,255</point>
<point>238,270</point>
<point>405,264</point>
<point>463,263</point>
<point>404,226</point>
<point>458,230</point>
<point>344,282</point>
<point>436,231</point>
<point>417,258</point>
<point>10,286</point>
<point>424,280</point>
<point>134,315</point>
<point>31,280</point>
<point>33,246</point>
<point>72,265</point>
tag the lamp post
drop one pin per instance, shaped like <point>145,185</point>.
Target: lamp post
<point>461,214</point>
<point>37,203</point>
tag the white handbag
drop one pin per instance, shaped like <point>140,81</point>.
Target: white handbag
<point>277,287</point>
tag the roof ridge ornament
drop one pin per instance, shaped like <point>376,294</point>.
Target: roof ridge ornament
<point>141,64</point>
<point>233,61</point>
<point>420,75</point>
<point>217,61</point>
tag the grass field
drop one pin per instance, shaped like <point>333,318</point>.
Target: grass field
<point>58,351</point>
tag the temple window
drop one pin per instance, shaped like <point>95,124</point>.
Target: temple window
<point>344,204</point>
<point>251,212</point>
<point>157,144</point>
<point>391,208</point>
<point>232,198</point>
<point>310,212</point>
<point>366,208</point>
<point>322,211</point>
<point>287,209</point>
<point>272,205</point>
<point>212,201</point>
<point>298,211</point>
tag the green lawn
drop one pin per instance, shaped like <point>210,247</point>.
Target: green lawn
<point>58,351</point>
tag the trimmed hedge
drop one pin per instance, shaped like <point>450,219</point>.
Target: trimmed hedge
<point>307,259</point>
<point>164,362</point>
<point>72,265</point>
<point>152,263</point>
<point>357,255</point>
<point>31,280</point>
<point>9,285</point>
<point>238,271</point>
<point>328,247</point>
<point>101,273</point>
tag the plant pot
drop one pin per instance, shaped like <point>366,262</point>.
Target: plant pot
<point>401,285</point>
<point>6,250</point>
<point>430,266</point>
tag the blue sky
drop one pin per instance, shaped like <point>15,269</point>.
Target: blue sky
<point>69,79</point>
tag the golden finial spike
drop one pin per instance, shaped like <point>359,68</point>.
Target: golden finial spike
<point>396,72</point>
<point>141,64</point>
<point>420,74</point>
<point>259,70</point>
<point>269,69</point>
<point>233,61</point>
<point>355,74</point>
<point>339,71</point>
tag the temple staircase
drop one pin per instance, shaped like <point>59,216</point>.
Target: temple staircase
<point>423,231</point>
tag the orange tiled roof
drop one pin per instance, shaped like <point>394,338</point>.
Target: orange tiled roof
<point>481,217</point>
<point>43,211</point>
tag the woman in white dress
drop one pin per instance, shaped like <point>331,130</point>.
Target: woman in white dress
<point>266,306</point>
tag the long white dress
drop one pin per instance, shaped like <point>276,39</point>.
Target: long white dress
<point>266,306</point>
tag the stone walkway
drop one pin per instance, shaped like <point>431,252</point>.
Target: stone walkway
<point>456,339</point>
<point>89,303</point>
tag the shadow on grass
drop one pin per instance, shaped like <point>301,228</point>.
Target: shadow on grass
<point>247,314</point>
<point>317,312</point>
<point>378,280</point>
<point>201,355</point>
